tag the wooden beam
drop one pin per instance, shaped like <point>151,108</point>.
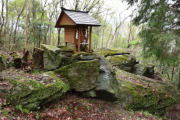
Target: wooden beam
<point>90,39</point>
<point>79,38</point>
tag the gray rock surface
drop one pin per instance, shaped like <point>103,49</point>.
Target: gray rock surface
<point>107,85</point>
<point>82,75</point>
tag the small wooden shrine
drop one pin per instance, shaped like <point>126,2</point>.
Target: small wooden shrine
<point>76,25</point>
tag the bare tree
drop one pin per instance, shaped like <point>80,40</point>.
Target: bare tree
<point>2,23</point>
<point>26,24</point>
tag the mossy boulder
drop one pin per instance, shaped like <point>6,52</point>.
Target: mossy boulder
<point>110,52</point>
<point>52,58</point>
<point>82,75</point>
<point>107,85</point>
<point>2,63</point>
<point>32,94</point>
<point>85,56</point>
<point>123,62</point>
<point>140,93</point>
<point>66,49</point>
<point>144,70</point>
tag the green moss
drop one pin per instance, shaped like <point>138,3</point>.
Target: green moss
<point>144,98</point>
<point>119,59</point>
<point>67,49</point>
<point>31,93</point>
<point>49,47</point>
<point>109,52</point>
<point>79,72</point>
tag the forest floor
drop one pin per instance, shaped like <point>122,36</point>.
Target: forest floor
<point>73,107</point>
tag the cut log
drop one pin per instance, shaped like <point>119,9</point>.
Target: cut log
<point>38,61</point>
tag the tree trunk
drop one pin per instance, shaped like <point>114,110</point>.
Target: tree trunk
<point>5,25</point>
<point>129,35</point>
<point>59,38</point>
<point>179,80</point>
<point>17,22</point>
<point>2,14</point>
<point>38,61</point>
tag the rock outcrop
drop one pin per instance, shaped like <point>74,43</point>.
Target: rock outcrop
<point>144,70</point>
<point>82,75</point>
<point>32,93</point>
<point>52,58</point>
<point>102,76</point>
<point>142,93</point>
<point>107,85</point>
<point>123,62</point>
<point>118,58</point>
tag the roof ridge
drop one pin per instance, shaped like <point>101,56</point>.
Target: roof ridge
<point>64,9</point>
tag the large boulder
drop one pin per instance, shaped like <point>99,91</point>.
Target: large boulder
<point>118,58</point>
<point>52,58</point>
<point>82,75</point>
<point>141,93</point>
<point>104,52</point>
<point>123,62</point>
<point>107,85</point>
<point>55,57</point>
<point>31,94</point>
<point>144,70</point>
<point>2,64</point>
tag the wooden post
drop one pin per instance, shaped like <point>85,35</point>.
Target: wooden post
<point>79,38</point>
<point>86,40</point>
<point>74,51</point>
<point>66,44</point>
<point>90,39</point>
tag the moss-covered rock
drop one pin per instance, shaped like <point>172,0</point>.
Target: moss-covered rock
<point>52,58</point>
<point>32,94</point>
<point>141,93</point>
<point>110,52</point>
<point>66,49</point>
<point>55,57</point>
<point>85,56</point>
<point>144,70</point>
<point>107,85</point>
<point>82,75</point>
<point>123,62</point>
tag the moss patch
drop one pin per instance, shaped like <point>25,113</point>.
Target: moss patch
<point>32,94</point>
<point>109,52</point>
<point>82,75</point>
<point>137,94</point>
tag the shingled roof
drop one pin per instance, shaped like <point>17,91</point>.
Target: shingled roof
<point>79,18</point>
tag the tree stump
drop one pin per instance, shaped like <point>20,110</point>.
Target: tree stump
<point>25,55</point>
<point>38,61</point>
<point>17,59</point>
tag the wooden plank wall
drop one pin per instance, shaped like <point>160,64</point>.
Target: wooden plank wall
<point>66,20</point>
<point>69,34</point>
